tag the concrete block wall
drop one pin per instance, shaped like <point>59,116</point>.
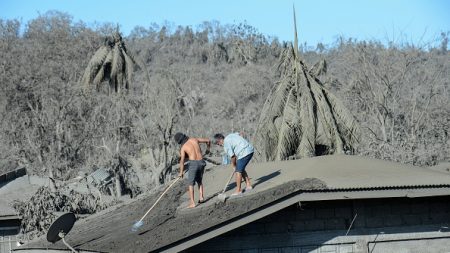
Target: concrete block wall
<point>338,215</point>
<point>277,232</point>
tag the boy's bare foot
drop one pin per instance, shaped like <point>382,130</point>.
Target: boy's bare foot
<point>192,205</point>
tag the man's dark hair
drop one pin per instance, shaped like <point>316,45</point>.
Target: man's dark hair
<point>219,136</point>
<point>181,138</point>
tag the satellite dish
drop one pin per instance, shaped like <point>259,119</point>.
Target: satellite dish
<point>60,227</point>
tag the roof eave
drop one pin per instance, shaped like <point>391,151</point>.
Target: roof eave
<point>304,196</point>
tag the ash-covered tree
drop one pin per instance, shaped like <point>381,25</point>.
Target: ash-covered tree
<point>301,118</point>
<point>113,63</point>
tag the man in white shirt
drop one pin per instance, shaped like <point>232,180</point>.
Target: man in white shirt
<point>241,152</point>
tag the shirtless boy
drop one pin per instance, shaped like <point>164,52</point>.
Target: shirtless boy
<point>190,151</point>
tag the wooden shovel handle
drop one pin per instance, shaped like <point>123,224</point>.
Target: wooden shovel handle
<point>225,187</point>
<point>162,194</point>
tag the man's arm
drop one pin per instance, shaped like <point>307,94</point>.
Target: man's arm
<point>229,150</point>
<point>208,144</point>
<point>233,161</point>
<point>182,157</point>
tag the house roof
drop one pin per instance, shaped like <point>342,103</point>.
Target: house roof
<point>100,176</point>
<point>171,227</point>
<point>442,167</point>
<point>17,189</point>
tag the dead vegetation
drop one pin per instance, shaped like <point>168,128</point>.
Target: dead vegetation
<point>205,80</point>
<point>301,118</point>
<point>39,212</point>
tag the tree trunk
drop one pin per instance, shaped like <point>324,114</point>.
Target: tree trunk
<point>51,180</point>
<point>118,186</point>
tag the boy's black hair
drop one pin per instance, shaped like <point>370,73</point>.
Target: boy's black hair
<point>181,138</point>
<point>219,136</point>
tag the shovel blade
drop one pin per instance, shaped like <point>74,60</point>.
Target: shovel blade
<point>222,197</point>
<point>137,225</point>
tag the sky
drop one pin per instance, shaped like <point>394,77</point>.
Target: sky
<point>318,21</point>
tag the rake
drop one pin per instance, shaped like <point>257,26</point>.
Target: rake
<point>140,223</point>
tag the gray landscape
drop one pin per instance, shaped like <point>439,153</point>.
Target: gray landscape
<point>88,116</point>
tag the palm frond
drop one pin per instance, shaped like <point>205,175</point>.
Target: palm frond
<point>328,119</point>
<point>345,120</point>
<point>129,67</point>
<point>117,61</point>
<point>300,113</point>
<point>267,131</point>
<point>306,147</point>
<point>94,65</point>
<point>99,77</point>
<point>319,68</point>
<point>295,35</point>
<point>112,63</point>
<point>289,128</point>
<point>287,61</point>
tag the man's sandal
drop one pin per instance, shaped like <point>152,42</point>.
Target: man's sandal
<point>236,194</point>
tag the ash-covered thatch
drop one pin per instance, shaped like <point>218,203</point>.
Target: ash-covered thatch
<point>301,118</point>
<point>111,62</point>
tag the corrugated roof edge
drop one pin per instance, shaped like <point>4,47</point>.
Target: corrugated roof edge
<point>377,188</point>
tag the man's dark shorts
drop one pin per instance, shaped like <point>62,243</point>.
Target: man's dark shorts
<point>195,173</point>
<point>242,163</point>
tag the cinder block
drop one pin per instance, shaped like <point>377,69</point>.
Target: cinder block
<point>343,212</point>
<point>249,251</point>
<point>379,210</point>
<point>310,249</point>
<point>325,213</point>
<point>289,250</point>
<point>306,214</point>
<point>447,206</point>
<point>393,220</point>
<point>328,249</point>
<point>270,251</point>
<point>426,219</point>
<point>370,203</point>
<point>413,219</point>
<point>359,208</point>
<point>298,226</point>
<point>314,225</point>
<point>254,228</point>
<point>438,218</point>
<point>335,223</point>
<point>419,208</point>
<point>288,216</point>
<point>276,217</point>
<point>401,208</point>
<point>374,222</point>
<point>439,207</point>
<point>360,220</point>
<point>346,249</point>
<point>276,227</point>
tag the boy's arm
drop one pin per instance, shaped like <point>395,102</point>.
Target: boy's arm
<point>182,157</point>
<point>208,144</point>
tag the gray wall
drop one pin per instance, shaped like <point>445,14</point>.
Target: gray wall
<point>381,225</point>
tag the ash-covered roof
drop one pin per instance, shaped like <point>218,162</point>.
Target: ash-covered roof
<point>18,189</point>
<point>171,227</point>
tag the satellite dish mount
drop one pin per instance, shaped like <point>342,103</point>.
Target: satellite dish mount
<point>60,228</point>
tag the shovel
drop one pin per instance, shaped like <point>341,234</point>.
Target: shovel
<point>139,223</point>
<point>222,196</point>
